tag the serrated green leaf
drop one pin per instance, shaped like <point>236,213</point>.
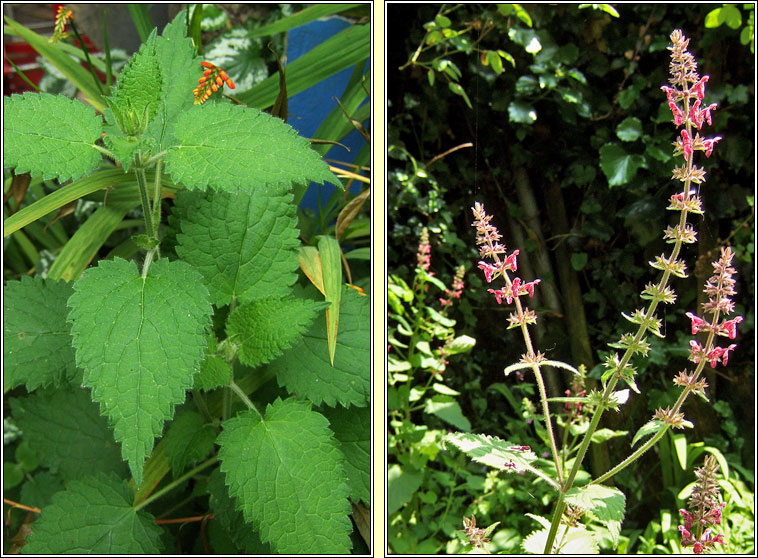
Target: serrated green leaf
<point>490,450</point>
<point>140,342</point>
<point>256,257</point>
<point>50,135</point>
<point>647,429</point>
<point>135,100</point>
<point>94,516</point>
<point>181,69</point>
<point>225,512</point>
<point>286,473</point>
<point>68,433</point>
<point>188,439</point>
<point>266,327</point>
<point>618,166</point>
<point>36,338</point>
<point>306,370</point>
<point>447,409</point>
<point>231,148</point>
<point>605,502</point>
<point>352,429</point>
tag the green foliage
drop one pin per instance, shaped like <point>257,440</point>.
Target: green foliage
<point>229,148</point>
<point>137,347</point>
<point>36,338</point>
<point>285,471</point>
<point>51,135</point>
<point>67,526</point>
<point>582,112</point>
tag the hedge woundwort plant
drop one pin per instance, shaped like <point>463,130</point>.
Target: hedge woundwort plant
<point>685,95</point>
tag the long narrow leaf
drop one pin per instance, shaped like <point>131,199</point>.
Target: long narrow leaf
<point>331,268</point>
<point>341,51</point>
<point>301,18</point>
<point>336,125</point>
<point>141,18</point>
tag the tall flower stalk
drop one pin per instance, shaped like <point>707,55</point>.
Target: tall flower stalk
<point>686,99</point>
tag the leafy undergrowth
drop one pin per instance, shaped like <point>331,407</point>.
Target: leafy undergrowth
<point>143,408</point>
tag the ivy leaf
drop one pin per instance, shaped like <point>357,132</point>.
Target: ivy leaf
<point>306,370</point>
<point>629,129</point>
<point>257,254</point>
<point>231,148</point>
<point>618,166</point>
<point>36,338</point>
<point>67,432</point>
<point>352,429</point>
<point>50,134</point>
<point>521,112</point>
<point>188,439</point>
<point>265,328</point>
<point>94,516</point>
<point>140,342</point>
<point>286,473</point>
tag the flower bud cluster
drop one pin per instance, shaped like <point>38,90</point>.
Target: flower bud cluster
<point>458,286</point>
<point>705,510</point>
<point>685,100</point>
<point>424,252</point>
<point>719,288</point>
<point>488,240</point>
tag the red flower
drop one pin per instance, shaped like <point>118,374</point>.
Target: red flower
<point>686,144</point>
<point>730,327</point>
<point>697,323</point>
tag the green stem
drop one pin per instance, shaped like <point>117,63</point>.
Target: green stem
<point>146,209</point>
<point>242,395</point>
<point>176,483</point>
<point>157,191</point>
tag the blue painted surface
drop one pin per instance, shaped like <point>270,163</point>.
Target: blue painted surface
<point>308,109</point>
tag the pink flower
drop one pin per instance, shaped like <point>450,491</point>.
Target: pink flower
<point>687,144</point>
<point>697,323</point>
<point>515,287</point>
<point>510,261</point>
<point>730,326</point>
<point>707,112</point>
<point>498,294</point>
<point>489,271</point>
<point>708,144</point>
<point>530,287</point>
<point>699,87</point>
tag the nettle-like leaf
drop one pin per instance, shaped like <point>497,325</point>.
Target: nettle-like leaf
<point>287,475</point>
<point>181,70</point>
<point>50,134</point>
<point>189,439</point>
<point>67,432</point>
<point>135,100</point>
<point>352,429</point>
<point>232,148</point>
<point>605,503</point>
<point>242,534</point>
<point>264,328</point>
<point>491,451</point>
<point>36,337</point>
<point>140,342</point>
<point>94,516</point>
<point>306,370</point>
<point>255,257</point>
